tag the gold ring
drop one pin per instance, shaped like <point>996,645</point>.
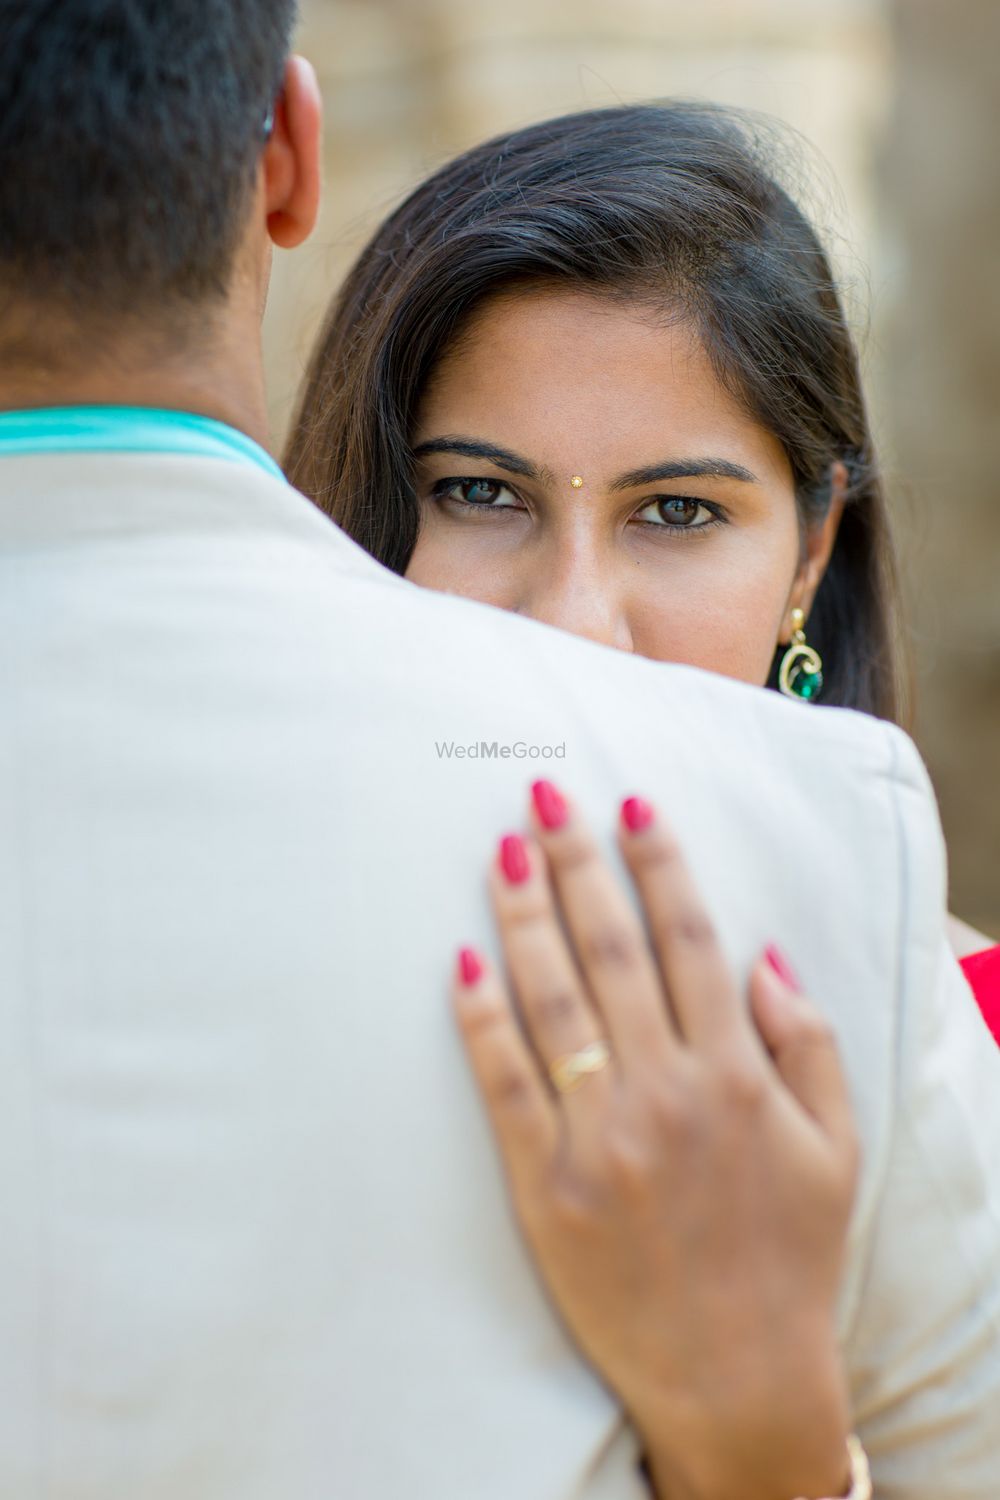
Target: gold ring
<point>569,1071</point>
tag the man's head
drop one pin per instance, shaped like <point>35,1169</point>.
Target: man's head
<point>150,152</point>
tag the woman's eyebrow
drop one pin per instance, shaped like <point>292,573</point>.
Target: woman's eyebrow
<point>685,468</point>
<point>472,448</point>
<point>514,463</point>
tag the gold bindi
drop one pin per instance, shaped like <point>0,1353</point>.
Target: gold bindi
<point>577,481</point>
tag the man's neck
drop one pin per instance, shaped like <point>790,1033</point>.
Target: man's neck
<point>245,410</point>
<point>224,382</point>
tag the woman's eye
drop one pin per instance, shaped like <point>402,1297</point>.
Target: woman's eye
<point>679,513</point>
<point>487,494</point>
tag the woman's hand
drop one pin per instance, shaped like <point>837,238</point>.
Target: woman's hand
<point>687,1202</point>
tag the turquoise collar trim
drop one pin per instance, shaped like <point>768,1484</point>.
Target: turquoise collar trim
<point>128,429</point>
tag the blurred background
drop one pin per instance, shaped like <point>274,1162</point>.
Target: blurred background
<point>901,101</point>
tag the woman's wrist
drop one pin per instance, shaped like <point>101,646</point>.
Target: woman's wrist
<point>821,1479</point>
<point>791,1447</point>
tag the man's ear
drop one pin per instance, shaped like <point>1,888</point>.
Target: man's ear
<point>819,544</point>
<point>292,158</point>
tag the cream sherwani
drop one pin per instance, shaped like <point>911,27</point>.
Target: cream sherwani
<point>255,1244</point>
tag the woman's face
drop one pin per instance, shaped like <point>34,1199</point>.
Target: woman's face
<point>577,460</point>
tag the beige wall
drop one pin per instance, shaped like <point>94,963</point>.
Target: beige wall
<point>942,338</point>
<point>891,95</point>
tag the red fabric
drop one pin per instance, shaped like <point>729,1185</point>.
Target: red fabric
<point>982,970</point>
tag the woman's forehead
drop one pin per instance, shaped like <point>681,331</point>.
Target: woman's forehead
<point>579,379</point>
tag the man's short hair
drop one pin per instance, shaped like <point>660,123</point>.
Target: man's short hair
<point>129,135</point>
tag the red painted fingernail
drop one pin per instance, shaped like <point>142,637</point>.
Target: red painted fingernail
<point>470,966</point>
<point>637,814</point>
<point>550,804</point>
<point>779,963</point>
<point>514,859</point>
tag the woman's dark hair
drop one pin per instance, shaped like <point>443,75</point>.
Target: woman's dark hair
<point>130,131</point>
<point>670,204</point>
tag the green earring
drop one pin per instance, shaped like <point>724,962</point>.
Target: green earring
<point>801,672</point>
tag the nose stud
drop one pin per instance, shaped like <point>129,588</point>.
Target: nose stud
<point>577,481</point>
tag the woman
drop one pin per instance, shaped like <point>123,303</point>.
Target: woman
<point>597,372</point>
<point>541,321</point>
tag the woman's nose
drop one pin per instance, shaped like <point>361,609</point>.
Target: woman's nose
<point>580,601</point>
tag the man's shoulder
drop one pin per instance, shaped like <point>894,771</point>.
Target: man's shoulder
<point>280,548</point>
<point>601,681</point>
<point>604,683</point>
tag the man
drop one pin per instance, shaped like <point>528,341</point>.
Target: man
<point>254,1240</point>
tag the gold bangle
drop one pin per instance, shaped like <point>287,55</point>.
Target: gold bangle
<point>861,1474</point>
